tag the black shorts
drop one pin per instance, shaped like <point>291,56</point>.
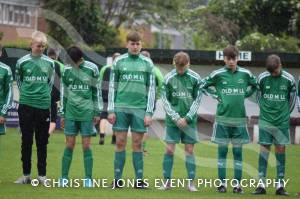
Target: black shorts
<point>53,113</point>
<point>104,113</point>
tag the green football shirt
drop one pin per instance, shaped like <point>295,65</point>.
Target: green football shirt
<point>6,90</point>
<point>132,84</point>
<point>35,77</point>
<point>230,88</point>
<point>276,98</point>
<point>181,96</point>
<point>81,96</point>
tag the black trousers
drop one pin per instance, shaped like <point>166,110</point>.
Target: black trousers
<point>34,121</point>
<point>53,111</point>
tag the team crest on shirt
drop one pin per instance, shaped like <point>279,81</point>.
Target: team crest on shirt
<point>85,79</point>
<point>141,69</point>
<point>224,82</point>
<point>240,81</point>
<point>283,87</point>
<point>44,69</point>
<point>268,87</point>
<point>28,71</point>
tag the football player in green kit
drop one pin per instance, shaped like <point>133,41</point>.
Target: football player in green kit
<point>81,104</point>
<point>34,76</point>
<point>6,92</point>
<point>159,78</point>
<point>130,104</point>
<point>276,98</point>
<point>230,85</point>
<point>181,97</point>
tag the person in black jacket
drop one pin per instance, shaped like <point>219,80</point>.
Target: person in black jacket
<point>104,78</point>
<point>55,93</point>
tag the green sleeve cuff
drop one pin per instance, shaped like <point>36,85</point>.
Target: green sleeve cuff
<point>3,115</point>
<point>96,113</point>
<point>61,114</point>
<point>188,119</point>
<point>149,114</point>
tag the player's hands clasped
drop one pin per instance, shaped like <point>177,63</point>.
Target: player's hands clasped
<point>182,123</point>
<point>96,120</point>
<point>147,120</point>
<point>2,120</point>
<point>111,118</point>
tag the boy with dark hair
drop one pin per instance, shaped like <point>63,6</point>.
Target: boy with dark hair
<point>130,104</point>
<point>181,97</point>
<point>230,85</point>
<point>276,98</point>
<point>80,106</point>
<point>55,93</point>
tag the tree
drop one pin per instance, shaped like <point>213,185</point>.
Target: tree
<point>265,16</point>
<point>202,29</point>
<point>85,17</point>
<point>118,12</point>
<point>228,21</point>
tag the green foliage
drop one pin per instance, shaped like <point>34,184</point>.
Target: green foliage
<point>204,42</point>
<point>162,39</point>
<point>258,42</point>
<point>18,43</point>
<point>151,11</point>
<point>265,16</point>
<point>86,17</point>
<point>251,23</point>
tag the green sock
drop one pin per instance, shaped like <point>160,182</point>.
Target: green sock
<point>138,164</point>
<point>222,155</point>
<point>190,166</point>
<point>66,162</point>
<point>280,159</point>
<point>263,165</point>
<point>119,164</point>
<point>88,163</point>
<point>167,166</point>
<point>238,162</point>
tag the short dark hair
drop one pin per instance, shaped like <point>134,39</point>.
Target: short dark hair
<point>75,53</point>
<point>134,36</point>
<point>273,62</point>
<point>181,59</point>
<point>51,52</point>
<point>146,53</point>
<point>231,51</point>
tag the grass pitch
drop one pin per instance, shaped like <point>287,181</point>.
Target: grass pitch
<point>206,154</point>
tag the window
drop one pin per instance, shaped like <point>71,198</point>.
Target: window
<point>10,14</point>
<point>15,15</point>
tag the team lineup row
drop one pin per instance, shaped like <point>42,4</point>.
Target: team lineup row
<point>129,102</point>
